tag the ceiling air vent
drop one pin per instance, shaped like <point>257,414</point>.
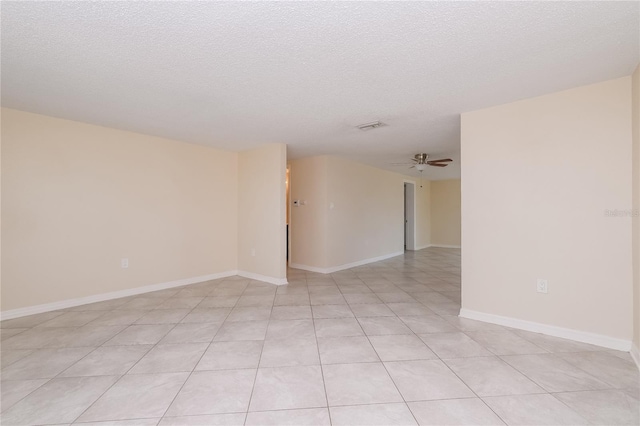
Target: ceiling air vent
<point>370,126</point>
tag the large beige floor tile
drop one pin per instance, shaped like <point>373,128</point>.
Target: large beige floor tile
<point>353,384</point>
<point>44,364</point>
<point>426,380</point>
<point>136,396</point>
<point>345,350</point>
<point>402,347</point>
<point>454,412</point>
<point>454,345</point>
<point>290,329</point>
<point>338,327</point>
<point>214,392</point>
<point>607,407</point>
<point>14,390</point>
<point>490,376</point>
<point>209,420</point>
<point>58,401</point>
<point>231,355</point>
<point>242,330</point>
<point>107,360</point>
<point>290,352</point>
<point>140,335</point>
<point>533,410</point>
<point>607,367</point>
<point>553,373</point>
<point>372,415</point>
<point>171,358</point>
<point>302,417</point>
<point>192,333</point>
<point>287,388</point>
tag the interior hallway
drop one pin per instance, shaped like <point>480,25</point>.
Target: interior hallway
<point>379,344</point>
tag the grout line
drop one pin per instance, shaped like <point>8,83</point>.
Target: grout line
<point>199,359</point>
<point>255,377</point>
<point>121,375</point>
<point>324,385</point>
<point>145,354</point>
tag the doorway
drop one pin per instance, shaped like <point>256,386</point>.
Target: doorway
<point>409,215</point>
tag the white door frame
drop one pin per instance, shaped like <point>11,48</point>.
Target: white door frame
<point>409,210</point>
<point>289,212</point>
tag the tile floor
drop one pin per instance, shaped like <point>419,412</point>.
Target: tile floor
<point>374,345</point>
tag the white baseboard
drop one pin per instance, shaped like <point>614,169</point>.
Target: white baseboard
<point>436,246</point>
<point>635,354</point>
<point>565,333</point>
<point>308,268</point>
<point>70,303</point>
<point>346,265</point>
<point>258,277</point>
<point>103,297</point>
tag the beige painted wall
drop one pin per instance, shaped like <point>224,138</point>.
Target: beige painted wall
<point>262,211</point>
<point>537,177</point>
<point>77,198</point>
<point>445,212</point>
<point>636,205</point>
<point>366,220</point>
<point>308,226</point>
<point>352,212</point>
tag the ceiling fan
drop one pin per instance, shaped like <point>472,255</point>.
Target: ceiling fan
<point>421,161</point>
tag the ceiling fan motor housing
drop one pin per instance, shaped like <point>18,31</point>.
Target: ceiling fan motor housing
<point>421,158</point>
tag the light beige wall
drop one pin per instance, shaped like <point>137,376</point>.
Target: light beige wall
<point>1,214</point>
<point>352,212</point>
<point>445,212</point>
<point>367,218</point>
<point>537,177</point>
<point>636,205</point>
<point>262,211</point>
<point>77,198</point>
<point>308,225</point>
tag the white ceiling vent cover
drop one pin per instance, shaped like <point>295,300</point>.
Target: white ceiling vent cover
<point>370,126</point>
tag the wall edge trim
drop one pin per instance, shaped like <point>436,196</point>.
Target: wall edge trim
<point>265,278</point>
<point>444,246</point>
<point>550,330</point>
<point>423,247</point>
<point>635,354</point>
<point>346,265</point>
<point>103,297</point>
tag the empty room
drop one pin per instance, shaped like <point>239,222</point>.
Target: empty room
<point>320,213</point>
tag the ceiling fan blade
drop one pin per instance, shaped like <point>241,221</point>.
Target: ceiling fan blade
<point>412,167</point>
<point>444,160</point>
<point>438,165</point>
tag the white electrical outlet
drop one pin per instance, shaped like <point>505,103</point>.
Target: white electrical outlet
<point>124,263</point>
<point>253,252</point>
<point>542,286</point>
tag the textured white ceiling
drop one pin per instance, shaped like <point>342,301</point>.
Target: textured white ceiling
<point>236,75</point>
